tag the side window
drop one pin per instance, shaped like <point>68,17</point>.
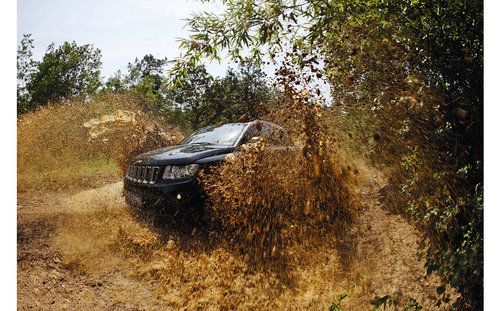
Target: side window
<point>271,133</point>
<point>253,131</point>
<point>274,134</point>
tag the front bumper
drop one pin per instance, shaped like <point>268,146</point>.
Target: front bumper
<point>162,196</point>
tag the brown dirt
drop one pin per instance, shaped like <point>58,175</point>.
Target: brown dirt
<point>86,252</point>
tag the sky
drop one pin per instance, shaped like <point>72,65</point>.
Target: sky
<point>122,29</point>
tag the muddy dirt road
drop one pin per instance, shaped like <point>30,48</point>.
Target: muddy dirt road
<point>85,251</point>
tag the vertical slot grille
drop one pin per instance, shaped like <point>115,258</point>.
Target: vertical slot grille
<point>145,174</point>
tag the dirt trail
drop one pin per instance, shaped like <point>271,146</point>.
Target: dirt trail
<point>85,251</point>
<point>386,255</point>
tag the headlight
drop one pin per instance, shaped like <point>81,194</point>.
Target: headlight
<point>179,171</point>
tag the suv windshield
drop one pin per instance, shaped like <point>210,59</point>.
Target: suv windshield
<point>226,134</point>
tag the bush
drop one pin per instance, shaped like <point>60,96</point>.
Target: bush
<point>430,182</point>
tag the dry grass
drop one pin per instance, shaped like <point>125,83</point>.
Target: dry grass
<point>81,144</point>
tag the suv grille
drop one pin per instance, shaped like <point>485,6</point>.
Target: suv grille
<point>143,174</point>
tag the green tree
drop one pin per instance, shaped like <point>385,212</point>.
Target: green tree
<point>115,83</point>
<point>201,99</point>
<point>146,77</point>
<point>64,72</point>
<point>189,96</point>
<point>239,92</point>
<point>148,68</point>
<point>25,68</point>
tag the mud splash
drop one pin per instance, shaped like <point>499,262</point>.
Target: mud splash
<point>154,267</point>
<point>99,237</point>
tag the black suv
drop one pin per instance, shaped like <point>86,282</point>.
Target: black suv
<point>168,176</point>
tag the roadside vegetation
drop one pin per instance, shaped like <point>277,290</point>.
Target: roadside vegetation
<point>75,144</point>
<point>406,97</point>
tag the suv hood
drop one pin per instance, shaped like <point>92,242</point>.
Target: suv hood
<point>180,155</point>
